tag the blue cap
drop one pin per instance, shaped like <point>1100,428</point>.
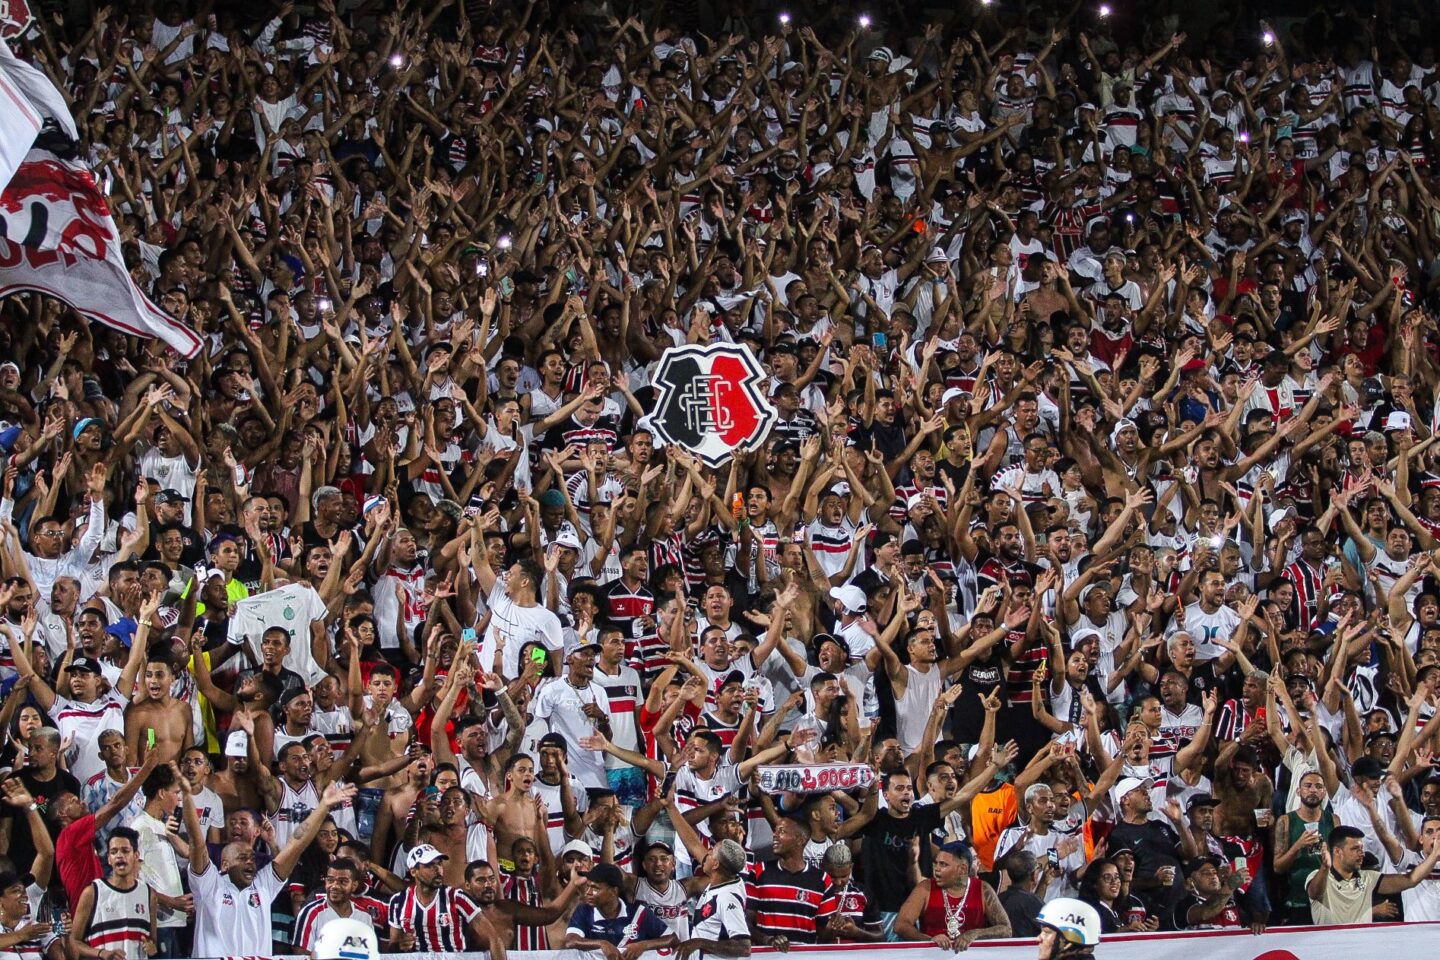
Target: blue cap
<point>80,426</point>
<point>123,630</point>
<point>8,436</point>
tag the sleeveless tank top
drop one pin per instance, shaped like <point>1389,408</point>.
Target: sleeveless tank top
<point>121,920</point>
<point>1306,862</point>
<point>968,909</point>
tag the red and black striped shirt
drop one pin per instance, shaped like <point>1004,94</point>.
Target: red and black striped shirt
<point>439,925</point>
<point>791,905</point>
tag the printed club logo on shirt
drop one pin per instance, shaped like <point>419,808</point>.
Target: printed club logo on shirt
<point>710,400</point>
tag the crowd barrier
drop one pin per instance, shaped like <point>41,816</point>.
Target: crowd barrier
<point>1394,940</point>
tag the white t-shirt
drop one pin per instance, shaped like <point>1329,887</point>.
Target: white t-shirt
<point>210,810</point>
<point>160,868</point>
<point>86,722</point>
<point>520,625</point>
<point>1204,628</point>
<point>1422,902</point>
<point>230,921</point>
<point>561,704</point>
<point>293,607</point>
<point>171,473</point>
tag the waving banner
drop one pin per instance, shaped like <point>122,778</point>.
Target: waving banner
<point>57,235</point>
<point>815,777</point>
<point>711,402</point>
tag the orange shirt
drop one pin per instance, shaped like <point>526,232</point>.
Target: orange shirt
<point>990,814</point>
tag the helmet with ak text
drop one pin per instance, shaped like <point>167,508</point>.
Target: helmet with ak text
<point>1075,921</point>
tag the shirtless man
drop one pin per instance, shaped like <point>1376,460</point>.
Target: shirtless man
<point>395,807</point>
<point>478,766</point>
<point>157,721</point>
<point>396,714</point>
<point>516,812</point>
<point>483,883</point>
<point>457,839</point>
<point>253,696</point>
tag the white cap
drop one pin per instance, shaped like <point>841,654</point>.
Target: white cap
<point>345,938</point>
<point>578,846</point>
<point>953,393</point>
<point>1279,516</point>
<point>566,537</point>
<point>423,855</point>
<point>915,500</point>
<point>851,597</point>
<point>1120,425</point>
<point>841,489</point>
<point>936,255</point>
<point>1397,420</point>
<point>1118,792</point>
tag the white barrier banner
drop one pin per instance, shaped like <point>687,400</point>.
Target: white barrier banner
<point>1278,943</point>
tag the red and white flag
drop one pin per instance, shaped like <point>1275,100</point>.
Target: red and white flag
<point>27,100</point>
<point>57,236</point>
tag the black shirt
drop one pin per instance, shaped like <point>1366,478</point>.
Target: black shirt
<point>1022,907</point>
<point>1155,845</point>
<point>193,551</point>
<point>887,852</point>
<point>289,679</point>
<point>22,846</point>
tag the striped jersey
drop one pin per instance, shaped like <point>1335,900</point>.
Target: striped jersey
<point>831,544</point>
<point>121,919</point>
<point>623,693</point>
<point>624,606</point>
<point>523,890</point>
<point>312,917</point>
<point>440,924</point>
<point>791,905</point>
<point>1308,582</point>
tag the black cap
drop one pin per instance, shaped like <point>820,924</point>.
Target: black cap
<point>84,665</point>
<point>1201,800</point>
<point>820,639</point>
<point>553,740</point>
<point>734,676</point>
<point>1193,865</point>
<point>171,496</point>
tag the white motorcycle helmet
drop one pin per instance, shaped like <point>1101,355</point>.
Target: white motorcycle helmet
<point>345,938</point>
<point>1077,923</point>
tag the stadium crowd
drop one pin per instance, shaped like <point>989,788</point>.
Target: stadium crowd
<point>1092,553</point>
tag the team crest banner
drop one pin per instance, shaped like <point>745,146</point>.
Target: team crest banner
<point>710,400</point>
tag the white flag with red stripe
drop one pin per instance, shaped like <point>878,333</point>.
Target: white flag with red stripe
<point>27,100</point>
<point>57,236</point>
